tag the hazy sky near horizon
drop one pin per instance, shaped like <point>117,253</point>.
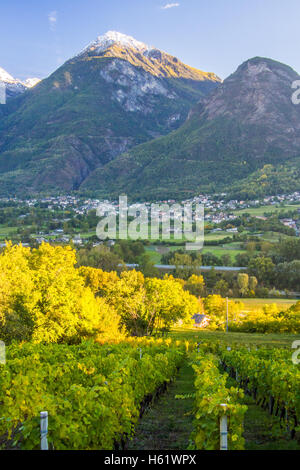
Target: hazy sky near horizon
<point>37,36</point>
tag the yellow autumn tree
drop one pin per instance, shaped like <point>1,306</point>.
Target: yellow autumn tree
<point>215,308</point>
<point>99,281</point>
<point>17,294</point>
<point>45,298</point>
<point>145,304</point>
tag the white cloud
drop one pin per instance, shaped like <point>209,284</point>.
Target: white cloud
<point>52,18</point>
<point>170,5</point>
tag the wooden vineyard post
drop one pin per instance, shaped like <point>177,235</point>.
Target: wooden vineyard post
<point>44,430</point>
<point>223,431</point>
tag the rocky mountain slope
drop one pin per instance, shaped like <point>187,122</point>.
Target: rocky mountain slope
<point>115,94</point>
<point>243,138</point>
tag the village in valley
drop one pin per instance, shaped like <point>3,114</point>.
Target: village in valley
<point>220,215</point>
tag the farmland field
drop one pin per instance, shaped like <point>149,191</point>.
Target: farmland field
<point>221,251</point>
<point>231,249</point>
<point>216,236</point>
<point>263,340</point>
<point>252,304</point>
<point>7,232</point>
<point>260,211</point>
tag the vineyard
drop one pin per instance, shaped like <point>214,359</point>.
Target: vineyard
<point>90,355</point>
<point>93,393</point>
<point>96,395</point>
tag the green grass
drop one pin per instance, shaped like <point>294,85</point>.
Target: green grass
<point>253,304</point>
<point>154,254</point>
<point>155,257</point>
<point>220,251</point>
<point>267,340</point>
<point>260,211</point>
<point>262,431</point>
<point>274,237</point>
<point>6,232</point>
<point>231,249</point>
<point>168,424</point>
<point>216,236</point>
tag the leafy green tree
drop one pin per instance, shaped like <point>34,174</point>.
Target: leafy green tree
<point>243,283</point>
<point>253,283</point>
<point>221,288</point>
<point>287,250</point>
<point>226,260</point>
<point>100,257</point>
<point>44,298</point>
<point>148,303</point>
<point>288,275</point>
<point>185,266</point>
<point>263,269</point>
<point>195,285</point>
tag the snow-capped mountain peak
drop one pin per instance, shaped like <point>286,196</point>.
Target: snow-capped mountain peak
<point>14,86</point>
<point>6,77</point>
<point>31,82</point>
<point>110,38</point>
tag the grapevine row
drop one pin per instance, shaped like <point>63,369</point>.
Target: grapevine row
<point>211,393</point>
<point>272,379</point>
<point>93,393</point>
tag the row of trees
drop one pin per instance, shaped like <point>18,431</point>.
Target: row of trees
<point>45,298</point>
<point>144,304</point>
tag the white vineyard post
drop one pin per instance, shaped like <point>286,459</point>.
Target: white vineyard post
<point>44,430</point>
<point>140,353</point>
<point>226,314</point>
<point>223,431</point>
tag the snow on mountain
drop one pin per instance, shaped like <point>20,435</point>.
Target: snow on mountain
<point>6,77</point>
<point>14,86</point>
<point>31,82</point>
<point>113,37</point>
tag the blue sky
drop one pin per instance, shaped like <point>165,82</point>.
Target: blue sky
<point>36,36</point>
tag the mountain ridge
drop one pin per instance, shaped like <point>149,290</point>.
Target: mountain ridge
<point>90,110</point>
<point>245,124</point>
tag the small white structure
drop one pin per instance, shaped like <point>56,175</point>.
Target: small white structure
<point>201,320</point>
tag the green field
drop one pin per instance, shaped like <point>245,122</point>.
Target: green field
<point>155,257</point>
<point>253,304</point>
<point>226,250</point>
<point>260,211</point>
<point>7,232</point>
<point>231,249</point>
<point>216,236</point>
<point>274,237</point>
<point>267,340</point>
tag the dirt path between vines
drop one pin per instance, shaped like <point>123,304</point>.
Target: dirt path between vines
<point>168,424</point>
